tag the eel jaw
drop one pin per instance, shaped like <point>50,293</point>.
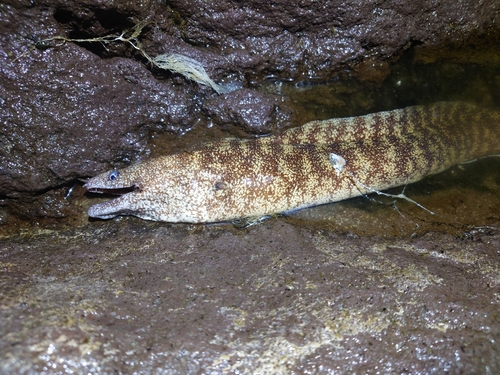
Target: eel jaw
<point>113,207</point>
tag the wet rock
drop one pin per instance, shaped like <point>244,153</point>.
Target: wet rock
<point>255,111</point>
<point>67,113</point>
<point>310,40</point>
<point>276,298</point>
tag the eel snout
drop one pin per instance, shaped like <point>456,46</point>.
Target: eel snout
<point>112,183</point>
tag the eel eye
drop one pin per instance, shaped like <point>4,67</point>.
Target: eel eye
<point>113,175</point>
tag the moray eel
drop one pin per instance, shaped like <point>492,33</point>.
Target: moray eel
<point>317,163</point>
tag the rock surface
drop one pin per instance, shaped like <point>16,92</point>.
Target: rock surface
<point>275,299</point>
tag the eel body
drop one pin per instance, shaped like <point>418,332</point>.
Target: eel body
<point>317,163</point>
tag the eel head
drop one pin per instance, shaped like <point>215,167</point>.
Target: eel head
<point>125,182</point>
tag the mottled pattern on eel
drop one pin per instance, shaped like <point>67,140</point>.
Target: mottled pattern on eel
<point>232,179</point>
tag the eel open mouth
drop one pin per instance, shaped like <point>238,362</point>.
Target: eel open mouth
<point>115,206</point>
<point>118,191</point>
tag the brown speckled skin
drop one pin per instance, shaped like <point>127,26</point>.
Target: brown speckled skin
<point>233,179</point>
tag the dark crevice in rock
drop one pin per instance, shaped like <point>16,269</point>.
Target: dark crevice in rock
<point>100,23</point>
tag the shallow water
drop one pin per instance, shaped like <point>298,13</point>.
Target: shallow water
<point>412,82</point>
